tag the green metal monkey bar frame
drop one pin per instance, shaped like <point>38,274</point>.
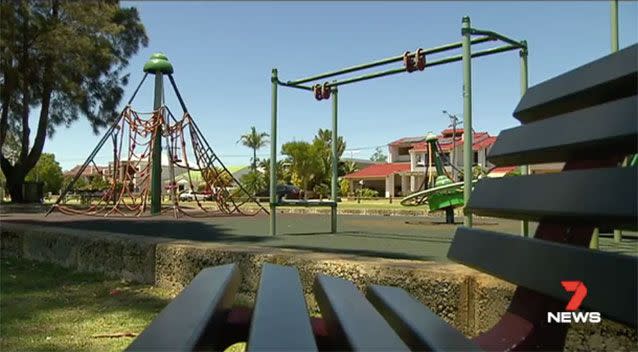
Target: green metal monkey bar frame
<point>467,41</point>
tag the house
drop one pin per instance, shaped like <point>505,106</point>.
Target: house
<point>404,172</point>
<point>89,171</point>
<point>358,163</point>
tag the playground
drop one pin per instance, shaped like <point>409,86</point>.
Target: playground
<point>136,188</point>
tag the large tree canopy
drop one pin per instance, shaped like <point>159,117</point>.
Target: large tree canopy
<point>67,59</point>
<point>311,163</point>
<point>306,164</point>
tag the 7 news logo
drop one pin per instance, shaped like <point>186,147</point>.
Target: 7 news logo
<point>580,292</point>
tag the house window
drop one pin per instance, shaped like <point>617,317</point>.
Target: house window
<point>404,150</point>
<point>476,158</point>
<point>445,158</point>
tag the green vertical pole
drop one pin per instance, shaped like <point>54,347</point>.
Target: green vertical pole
<point>335,162</point>
<point>467,118</point>
<point>273,155</point>
<point>156,158</point>
<point>524,84</point>
<point>614,48</point>
<point>617,236</point>
<point>614,26</point>
<point>593,243</point>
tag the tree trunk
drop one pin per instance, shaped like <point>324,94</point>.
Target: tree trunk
<point>16,174</point>
<point>254,159</point>
<point>26,97</point>
<point>15,180</point>
<point>4,120</point>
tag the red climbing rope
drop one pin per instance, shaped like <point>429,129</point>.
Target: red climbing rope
<point>129,190</point>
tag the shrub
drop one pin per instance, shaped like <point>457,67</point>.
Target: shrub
<point>254,182</point>
<point>322,190</point>
<point>344,187</point>
<point>367,193</point>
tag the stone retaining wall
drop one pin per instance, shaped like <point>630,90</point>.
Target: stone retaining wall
<point>128,257</point>
<point>471,301</point>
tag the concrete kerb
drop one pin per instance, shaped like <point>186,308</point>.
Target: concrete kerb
<point>471,301</point>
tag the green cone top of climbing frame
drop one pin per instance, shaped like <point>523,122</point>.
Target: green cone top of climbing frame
<point>442,180</point>
<point>158,63</point>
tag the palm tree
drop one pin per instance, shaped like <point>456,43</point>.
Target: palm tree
<point>350,167</point>
<point>254,141</point>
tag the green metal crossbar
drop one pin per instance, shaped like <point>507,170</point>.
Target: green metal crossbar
<point>385,61</point>
<point>443,61</point>
<point>302,203</point>
<point>298,86</point>
<point>495,35</point>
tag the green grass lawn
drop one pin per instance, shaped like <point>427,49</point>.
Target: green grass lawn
<point>47,307</point>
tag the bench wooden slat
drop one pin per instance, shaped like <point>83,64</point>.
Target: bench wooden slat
<point>542,265</point>
<point>351,320</point>
<point>193,318</point>
<point>417,325</point>
<point>609,78</point>
<point>602,130</point>
<point>280,320</point>
<point>601,197</point>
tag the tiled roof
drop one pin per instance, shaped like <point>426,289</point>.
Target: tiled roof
<point>481,140</point>
<point>379,170</point>
<point>407,140</point>
<point>484,143</point>
<point>504,169</point>
<point>501,171</point>
<point>90,170</point>
<point>448,132</point>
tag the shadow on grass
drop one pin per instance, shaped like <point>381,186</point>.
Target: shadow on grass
<point>47,307</point>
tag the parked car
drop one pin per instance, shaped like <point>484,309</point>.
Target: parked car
<point>190,196</point>
<point>208,195</point>
<point>283,191</point>
<point>288,192</point>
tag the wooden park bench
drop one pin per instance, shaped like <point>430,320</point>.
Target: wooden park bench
<point>586,118</point>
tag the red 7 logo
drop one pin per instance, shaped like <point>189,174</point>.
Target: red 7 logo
<point>580,292</point>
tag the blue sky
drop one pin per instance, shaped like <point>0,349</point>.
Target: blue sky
<point>223,54</point>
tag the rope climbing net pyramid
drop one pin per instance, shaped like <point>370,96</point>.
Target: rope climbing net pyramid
<point>135,182</point>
